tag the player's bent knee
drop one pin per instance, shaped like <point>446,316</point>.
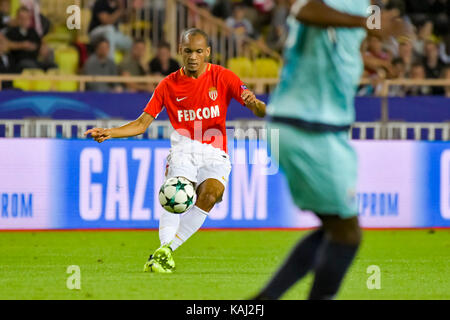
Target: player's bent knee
<point>207,199</point>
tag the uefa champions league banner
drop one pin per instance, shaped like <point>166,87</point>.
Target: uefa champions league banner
<point>16,104</point>
<point>72,184</point>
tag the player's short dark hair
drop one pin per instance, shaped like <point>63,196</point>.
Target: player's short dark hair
<point>194,32</point>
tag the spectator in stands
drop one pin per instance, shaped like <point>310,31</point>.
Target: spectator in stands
<point>377,56</point>
<point>39,22</point>
<point>100,64</point>
<point>5,18</point>
<point>46,58</point>
<point>444,47</point>
<point>238,22</point>
<point>135,65</point>
<point>433,65</point>
<point>24,41</point>
<point>418,73</point>
<point>264,6</point>
<point>446,75</point>
<point>222,9</point>
<point>163,64</point>
<point>432,61</point>
<point>106,15</point>
<point>278,27</point>
<point>5,61</point>
<point>396,4</point>
<point>425,33</point>
<point>406,53</point>
<point>399,70</point>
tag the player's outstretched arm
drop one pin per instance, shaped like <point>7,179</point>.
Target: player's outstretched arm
<point>317,13</point>
<point>131,129</point>
<point>257,106</point>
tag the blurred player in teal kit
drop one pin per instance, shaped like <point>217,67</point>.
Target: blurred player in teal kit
<point>313,108</point>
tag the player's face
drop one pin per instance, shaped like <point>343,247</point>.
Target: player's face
<point>194,51</point>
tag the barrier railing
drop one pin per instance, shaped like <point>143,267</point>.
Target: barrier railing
<point>254,129</point>
<point>260,85</point>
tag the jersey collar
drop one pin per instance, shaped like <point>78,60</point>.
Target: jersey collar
<point>208,68</point>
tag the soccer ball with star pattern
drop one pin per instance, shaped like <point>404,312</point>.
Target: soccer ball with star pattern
<point>177,195</point>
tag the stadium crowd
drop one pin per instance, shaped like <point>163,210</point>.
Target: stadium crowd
<point>424,55</point>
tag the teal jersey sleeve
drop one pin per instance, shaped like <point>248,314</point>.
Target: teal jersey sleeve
<point>321,71</point>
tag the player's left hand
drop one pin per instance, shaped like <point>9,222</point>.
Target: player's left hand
<point>258,107</point>
<point>249,98</point>
<point>99,134</point>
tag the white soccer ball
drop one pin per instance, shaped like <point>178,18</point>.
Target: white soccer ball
<point>177,195</point>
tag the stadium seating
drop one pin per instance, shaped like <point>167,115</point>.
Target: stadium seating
<point>41,85</point>
<point>24,85</point>
<point>259,68</point>
<point>64,86</point>
<point>266,68</point>
<point>67,58</point>
<point>86,15</point>
<point>242,66</point>
<point>118,57</point>
<point>32,85</point>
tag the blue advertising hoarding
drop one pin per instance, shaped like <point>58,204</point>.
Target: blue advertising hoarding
<point>73,184</point>
<point>128,106</point>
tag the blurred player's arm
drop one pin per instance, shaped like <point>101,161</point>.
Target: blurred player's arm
<point>131,129</point>
<point>317,13</point>
<point>257,106</point>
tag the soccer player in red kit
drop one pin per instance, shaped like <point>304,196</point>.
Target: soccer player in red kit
<point>196,98</point>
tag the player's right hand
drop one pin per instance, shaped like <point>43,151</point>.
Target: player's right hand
<point>99,134</point>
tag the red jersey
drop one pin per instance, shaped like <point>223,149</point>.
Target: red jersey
<point>197,108</point>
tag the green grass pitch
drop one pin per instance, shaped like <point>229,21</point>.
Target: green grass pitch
<point>212,265</point>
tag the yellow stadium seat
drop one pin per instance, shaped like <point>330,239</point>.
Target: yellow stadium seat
<point>59,34</point>
<point>15,4</point>
<point>41,85</point>
<point>31,85</point>
<point>86,16</point>
<point>67,59</point>
<point>266,68</point>
<point>24,85</point>
<point>118,57</point>
<point>242,66</point>
<point>61,85</point>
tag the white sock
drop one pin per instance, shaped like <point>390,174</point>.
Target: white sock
<point>189,224</point>
<point>168,226</point>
